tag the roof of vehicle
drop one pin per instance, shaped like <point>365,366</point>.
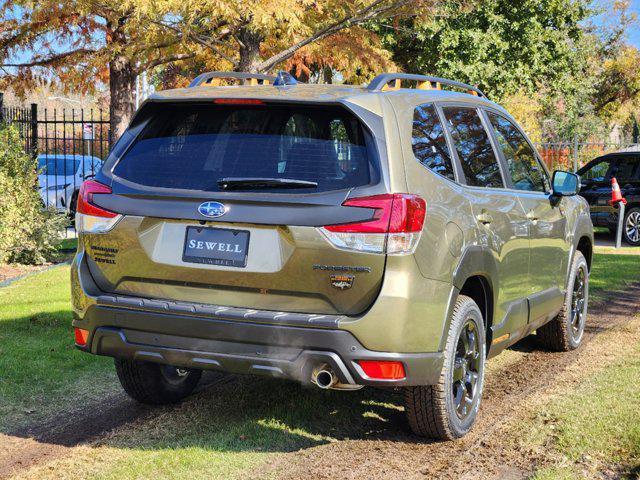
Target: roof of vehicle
<point>209,85</point>
<point>621,154</point>
<point>631,152</point>
<point>320,93</point>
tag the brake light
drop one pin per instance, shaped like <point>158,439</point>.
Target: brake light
<point>90,218</point>
<point>395,227</point>
<point>238,101</point>
<point>382,369</point>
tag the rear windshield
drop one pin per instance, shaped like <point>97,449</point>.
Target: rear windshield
<point>193,147</point>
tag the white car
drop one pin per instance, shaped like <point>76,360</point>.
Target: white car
<point>60,177</point>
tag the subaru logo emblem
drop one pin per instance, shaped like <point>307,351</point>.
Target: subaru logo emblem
<point>212,209</point>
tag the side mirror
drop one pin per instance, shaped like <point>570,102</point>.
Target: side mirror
<point>565,184</point>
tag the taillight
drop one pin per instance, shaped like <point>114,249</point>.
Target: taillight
<point>90,218</point>
<point>81,336</point>
<point>382,369</point>
<point>395,227</point>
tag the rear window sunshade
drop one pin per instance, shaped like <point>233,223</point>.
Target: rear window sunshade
<point>194,146</point>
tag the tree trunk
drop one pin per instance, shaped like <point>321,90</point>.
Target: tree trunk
<point>249,50</point>
<point>327,73</point>
<point>122,85</point>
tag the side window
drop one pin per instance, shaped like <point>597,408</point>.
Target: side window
<point>624,169</point>
<point>479,163</point>
<point>525,171</point>
<point>597,172</point>
<point>429,143</point>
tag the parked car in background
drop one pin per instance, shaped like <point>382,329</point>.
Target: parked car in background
<point>60,177</point>
<point>596,189</point>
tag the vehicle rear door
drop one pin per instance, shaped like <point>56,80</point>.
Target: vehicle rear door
<point>199,225</point>
<point>548,236</point>
<point>501,222</point>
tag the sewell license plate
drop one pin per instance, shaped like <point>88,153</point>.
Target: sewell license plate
<point>216,246</point>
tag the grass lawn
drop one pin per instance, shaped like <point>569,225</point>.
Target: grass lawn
<point>595,428</point>
<point>612,272</point>
<point>39,366</point>
<point>226,429</point>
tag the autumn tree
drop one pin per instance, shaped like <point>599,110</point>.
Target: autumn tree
<point>83,43</point>
<point>618,87</point>
<point>260,36</point>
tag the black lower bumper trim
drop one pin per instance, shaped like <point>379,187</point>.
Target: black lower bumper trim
<point>242,347</point>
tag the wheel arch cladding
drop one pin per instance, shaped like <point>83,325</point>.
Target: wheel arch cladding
<point>586,248</point>
<point>478,288</point>
<point>476,276</point>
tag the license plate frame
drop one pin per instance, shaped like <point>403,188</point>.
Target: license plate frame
<point>211,239</point>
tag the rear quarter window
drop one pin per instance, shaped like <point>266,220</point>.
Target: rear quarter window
<point>429,142</point>
<point>189,146</point>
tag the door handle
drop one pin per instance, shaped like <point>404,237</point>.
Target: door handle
<point>484,218</point>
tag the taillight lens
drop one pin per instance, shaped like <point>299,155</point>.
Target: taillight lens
<point>90,218</point>
<point>81,336</point>
<point>395,227</point>
<point>382,369</point>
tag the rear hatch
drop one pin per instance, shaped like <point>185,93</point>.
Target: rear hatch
<point>220,203</point>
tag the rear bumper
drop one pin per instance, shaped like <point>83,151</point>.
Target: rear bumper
<point>230,339</point>
<point>242,347</point>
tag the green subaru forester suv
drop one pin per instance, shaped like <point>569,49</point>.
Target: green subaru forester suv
<point>390,235</point>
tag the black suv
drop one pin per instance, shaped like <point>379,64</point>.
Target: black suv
<point>596,188</point>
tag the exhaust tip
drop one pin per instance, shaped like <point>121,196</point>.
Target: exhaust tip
<point>324,377</point>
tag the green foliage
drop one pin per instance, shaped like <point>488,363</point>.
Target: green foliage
<point>28,233</point>
<point>535,49</point>
<point>500,45</point>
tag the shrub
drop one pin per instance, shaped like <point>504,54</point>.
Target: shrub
<point>28,232</point>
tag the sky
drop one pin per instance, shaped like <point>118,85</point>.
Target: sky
<point>633,31</point>
<point>634,34</point>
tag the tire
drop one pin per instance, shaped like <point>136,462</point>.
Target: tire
<point>433,410</point>
<point>155,384</point>
<point>631,227</point>
<point>565,332</point>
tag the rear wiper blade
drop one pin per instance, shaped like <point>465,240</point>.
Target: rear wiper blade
<point>231,183</point>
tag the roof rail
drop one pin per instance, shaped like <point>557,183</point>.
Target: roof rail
<point>425,82</point>
<point>247,78</point>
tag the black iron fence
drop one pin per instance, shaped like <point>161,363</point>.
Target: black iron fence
<point>69,144</point>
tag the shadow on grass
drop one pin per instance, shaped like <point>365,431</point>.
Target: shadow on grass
<point>231,414</point>
<point>269,415</point>
<point>59,388</point>
<point>227,414</point>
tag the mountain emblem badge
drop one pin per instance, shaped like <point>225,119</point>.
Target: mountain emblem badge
<point>342,282</point>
